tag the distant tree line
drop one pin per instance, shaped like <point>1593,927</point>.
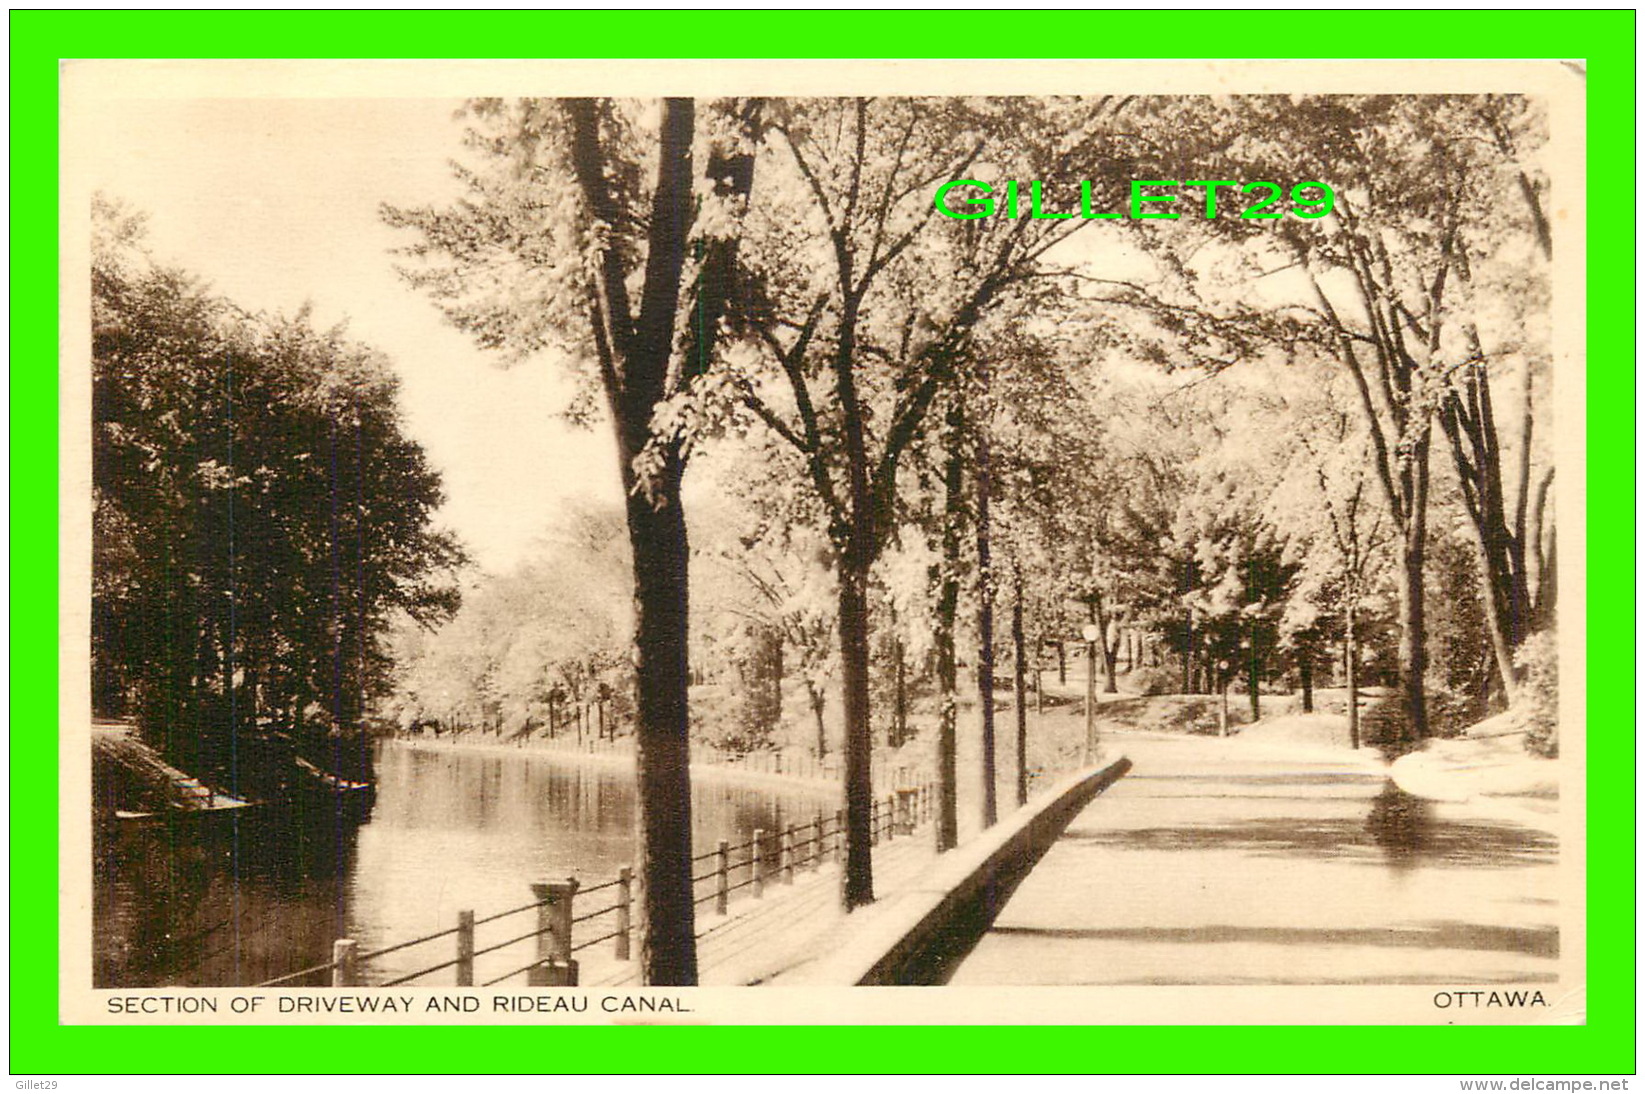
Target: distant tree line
<point>539,649</point>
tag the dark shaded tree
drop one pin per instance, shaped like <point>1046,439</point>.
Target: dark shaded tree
<point>259,515</point>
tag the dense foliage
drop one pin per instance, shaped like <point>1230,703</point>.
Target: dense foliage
<point>258,514</point>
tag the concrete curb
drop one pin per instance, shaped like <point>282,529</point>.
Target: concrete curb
<point>915,936</point>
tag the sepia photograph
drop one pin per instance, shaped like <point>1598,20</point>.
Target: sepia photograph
<point>549,538</point>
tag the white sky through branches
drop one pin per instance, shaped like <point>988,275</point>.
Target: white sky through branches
<point>274,203</point>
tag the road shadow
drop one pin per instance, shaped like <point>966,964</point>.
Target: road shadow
<point>1399,831</point>
<point>1433,935</point>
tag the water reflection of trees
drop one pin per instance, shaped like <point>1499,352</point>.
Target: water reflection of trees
<point>230,904</point>
<point>219,901</point>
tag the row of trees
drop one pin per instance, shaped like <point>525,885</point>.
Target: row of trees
<point>931,411</point>
<point>258,516</point>
<point>542,648</point>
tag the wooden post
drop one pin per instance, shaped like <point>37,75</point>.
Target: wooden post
<point>343,972</point>
<point>817,842</point>
<point>788,855</point>
<point>554,967</point>
<point>722,878</point>
<point>465,949</point>
<point>890,817</point>
<point>625,910</point>
<point>839,836</point>
<point>759,866</point>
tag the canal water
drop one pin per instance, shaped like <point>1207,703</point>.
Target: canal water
<point>229,900</point>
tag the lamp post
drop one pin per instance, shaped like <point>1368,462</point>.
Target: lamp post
<point>1090,633</point>
<point>1222,709</point>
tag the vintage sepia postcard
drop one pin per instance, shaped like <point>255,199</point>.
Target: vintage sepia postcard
<point>739,542</point>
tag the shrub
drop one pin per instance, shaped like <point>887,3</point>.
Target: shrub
<point>1385,726</point>
<point>1451,711</point>
<point>1148,680</point>
<point>1537,662</point>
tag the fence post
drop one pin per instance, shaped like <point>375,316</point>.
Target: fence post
<point>907,809</point>
<point>890,817</point>
<point>817,842</point>
<point>788,855</point>
<point>465,949</point>
<point>759,866</point>
<point>722,878</point>
<point>343,972</point>
<point>554,967</point>
<point>839,836</point>
<point>625,910</point>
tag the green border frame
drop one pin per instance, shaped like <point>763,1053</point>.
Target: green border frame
<point>1606,1045</point>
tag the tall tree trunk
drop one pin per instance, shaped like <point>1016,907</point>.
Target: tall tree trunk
<point>777,667</point>
<point>1401,447</point>
<point>1547,597</point>
<point>1019,685</point>
<point>1039,683</point>
<point>859,744</point>
<point>899,712</point>
<point>1253,676</point>
<point>1305,664</point>
<point>1351,669</point>
<point>948,599</point>
<point>636,355</point>
<point>661,552</point>
<point>819,700</point>
<point>1188,655</point>
<point>985,630</point>
<point>1109,652</point>
<point>1413,635</point>
<point>1545,591</point>
<point>1467,419</point>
